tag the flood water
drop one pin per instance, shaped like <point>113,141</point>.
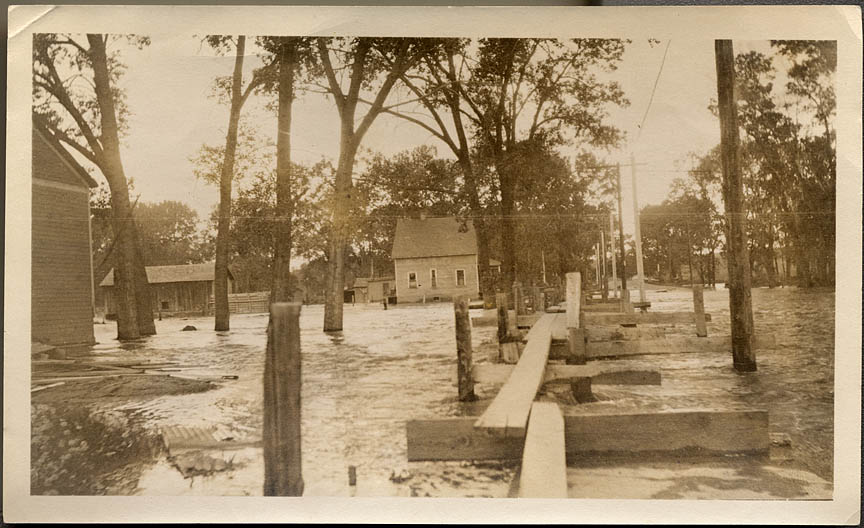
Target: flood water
<point>387,367</point>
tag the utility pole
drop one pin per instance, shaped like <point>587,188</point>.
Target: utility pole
<point>604,286</point>
<point>614,256</point>
<point>621,232</point>
<point>740,302</point>
<point>637,232</point>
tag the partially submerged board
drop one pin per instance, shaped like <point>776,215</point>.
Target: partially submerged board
<point>703,433</point>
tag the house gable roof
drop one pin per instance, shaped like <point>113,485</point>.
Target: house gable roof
<point>433,237</point>
<point>40,133</point>
<point>183,273</point>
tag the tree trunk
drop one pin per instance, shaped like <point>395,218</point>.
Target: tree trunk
<point>128,267</point>
<point>143,295</point>
<point>740,303</point>
<point>223,230</point>
<point>508,224</point>
<point>339,231</point>
<point>487,285</point>
<point>280,290</point>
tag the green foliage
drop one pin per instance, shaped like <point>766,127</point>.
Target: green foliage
<point>254,218</point>
<point>64,98</point>
<point>170,234</point>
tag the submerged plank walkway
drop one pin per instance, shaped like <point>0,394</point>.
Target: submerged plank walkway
<point>508,413</point>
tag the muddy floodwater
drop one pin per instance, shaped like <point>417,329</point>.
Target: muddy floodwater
<point>387,367</point>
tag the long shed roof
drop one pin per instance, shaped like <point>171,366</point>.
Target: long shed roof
<point>433,237</point>
<point>181,273</point>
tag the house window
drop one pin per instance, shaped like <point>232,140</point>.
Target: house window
<point>460,277</point>
<point>412,280</point>
<point>164,305</point>
<point>433,275</point>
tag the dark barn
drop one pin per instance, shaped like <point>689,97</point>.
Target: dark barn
<point>181,289</point>
<point>61,292</point>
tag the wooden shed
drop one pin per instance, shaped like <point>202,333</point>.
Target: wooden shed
<point>61,287</point>
<point>176,290</point>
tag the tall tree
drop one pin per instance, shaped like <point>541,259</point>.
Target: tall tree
<point>76,80</point>
<point>375,64</point>
<point>530,92</point>
<point>238,96</point>
<point>288,55</point>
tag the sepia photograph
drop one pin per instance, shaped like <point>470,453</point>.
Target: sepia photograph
<point>383,253</point>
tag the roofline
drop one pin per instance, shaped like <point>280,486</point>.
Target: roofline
<point>64,154</point>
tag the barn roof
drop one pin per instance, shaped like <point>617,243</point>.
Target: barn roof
<point>182,273</point>
<point>433,237</point>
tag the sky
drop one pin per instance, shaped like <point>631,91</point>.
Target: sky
<point>168,86</point>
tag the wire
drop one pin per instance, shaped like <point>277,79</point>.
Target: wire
<point>653,90</point>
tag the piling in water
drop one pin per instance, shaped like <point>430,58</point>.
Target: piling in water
<point>282,382</point>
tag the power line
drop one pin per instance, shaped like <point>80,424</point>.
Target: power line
<point>653,90</point>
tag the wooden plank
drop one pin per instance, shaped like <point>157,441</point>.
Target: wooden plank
<point>603,308</point>
<point>458,439</point>
<point>522,321</point>
<point>544,462</point>
<point>508,412</point>
<point>703,433</point>
<point>676,433</point>
<point>673,345</point>
<point>574,298</point>
<point>600,374</point>
<point>642,318</point>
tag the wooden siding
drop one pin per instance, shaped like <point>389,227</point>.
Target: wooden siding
<point>172,298</point>
<point>61,282</point>
<point>446,287</point>
<point>376,289</point>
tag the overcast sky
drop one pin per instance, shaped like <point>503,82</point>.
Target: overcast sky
<point>168,84</point>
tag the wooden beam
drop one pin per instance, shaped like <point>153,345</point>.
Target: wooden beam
<point>677,433</point>
<point>522,321</point>
<point>600,374</point>
<point>544,461</point>
<point>642,318</point>
<point>508,413</point>
<point>671,345</point>
<point>605,307</point>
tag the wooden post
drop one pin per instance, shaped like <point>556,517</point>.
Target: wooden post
<point>575,333</point>
<point>626,305</point>
<point>464,349</point>
<point>699,310</point>
<point>539,305</point>
<point>738,257</point>
<point>283,475</point>
<point>501,306</point>
<point>518,301</point>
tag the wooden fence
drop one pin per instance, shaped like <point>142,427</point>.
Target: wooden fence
<point>252,302</point>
